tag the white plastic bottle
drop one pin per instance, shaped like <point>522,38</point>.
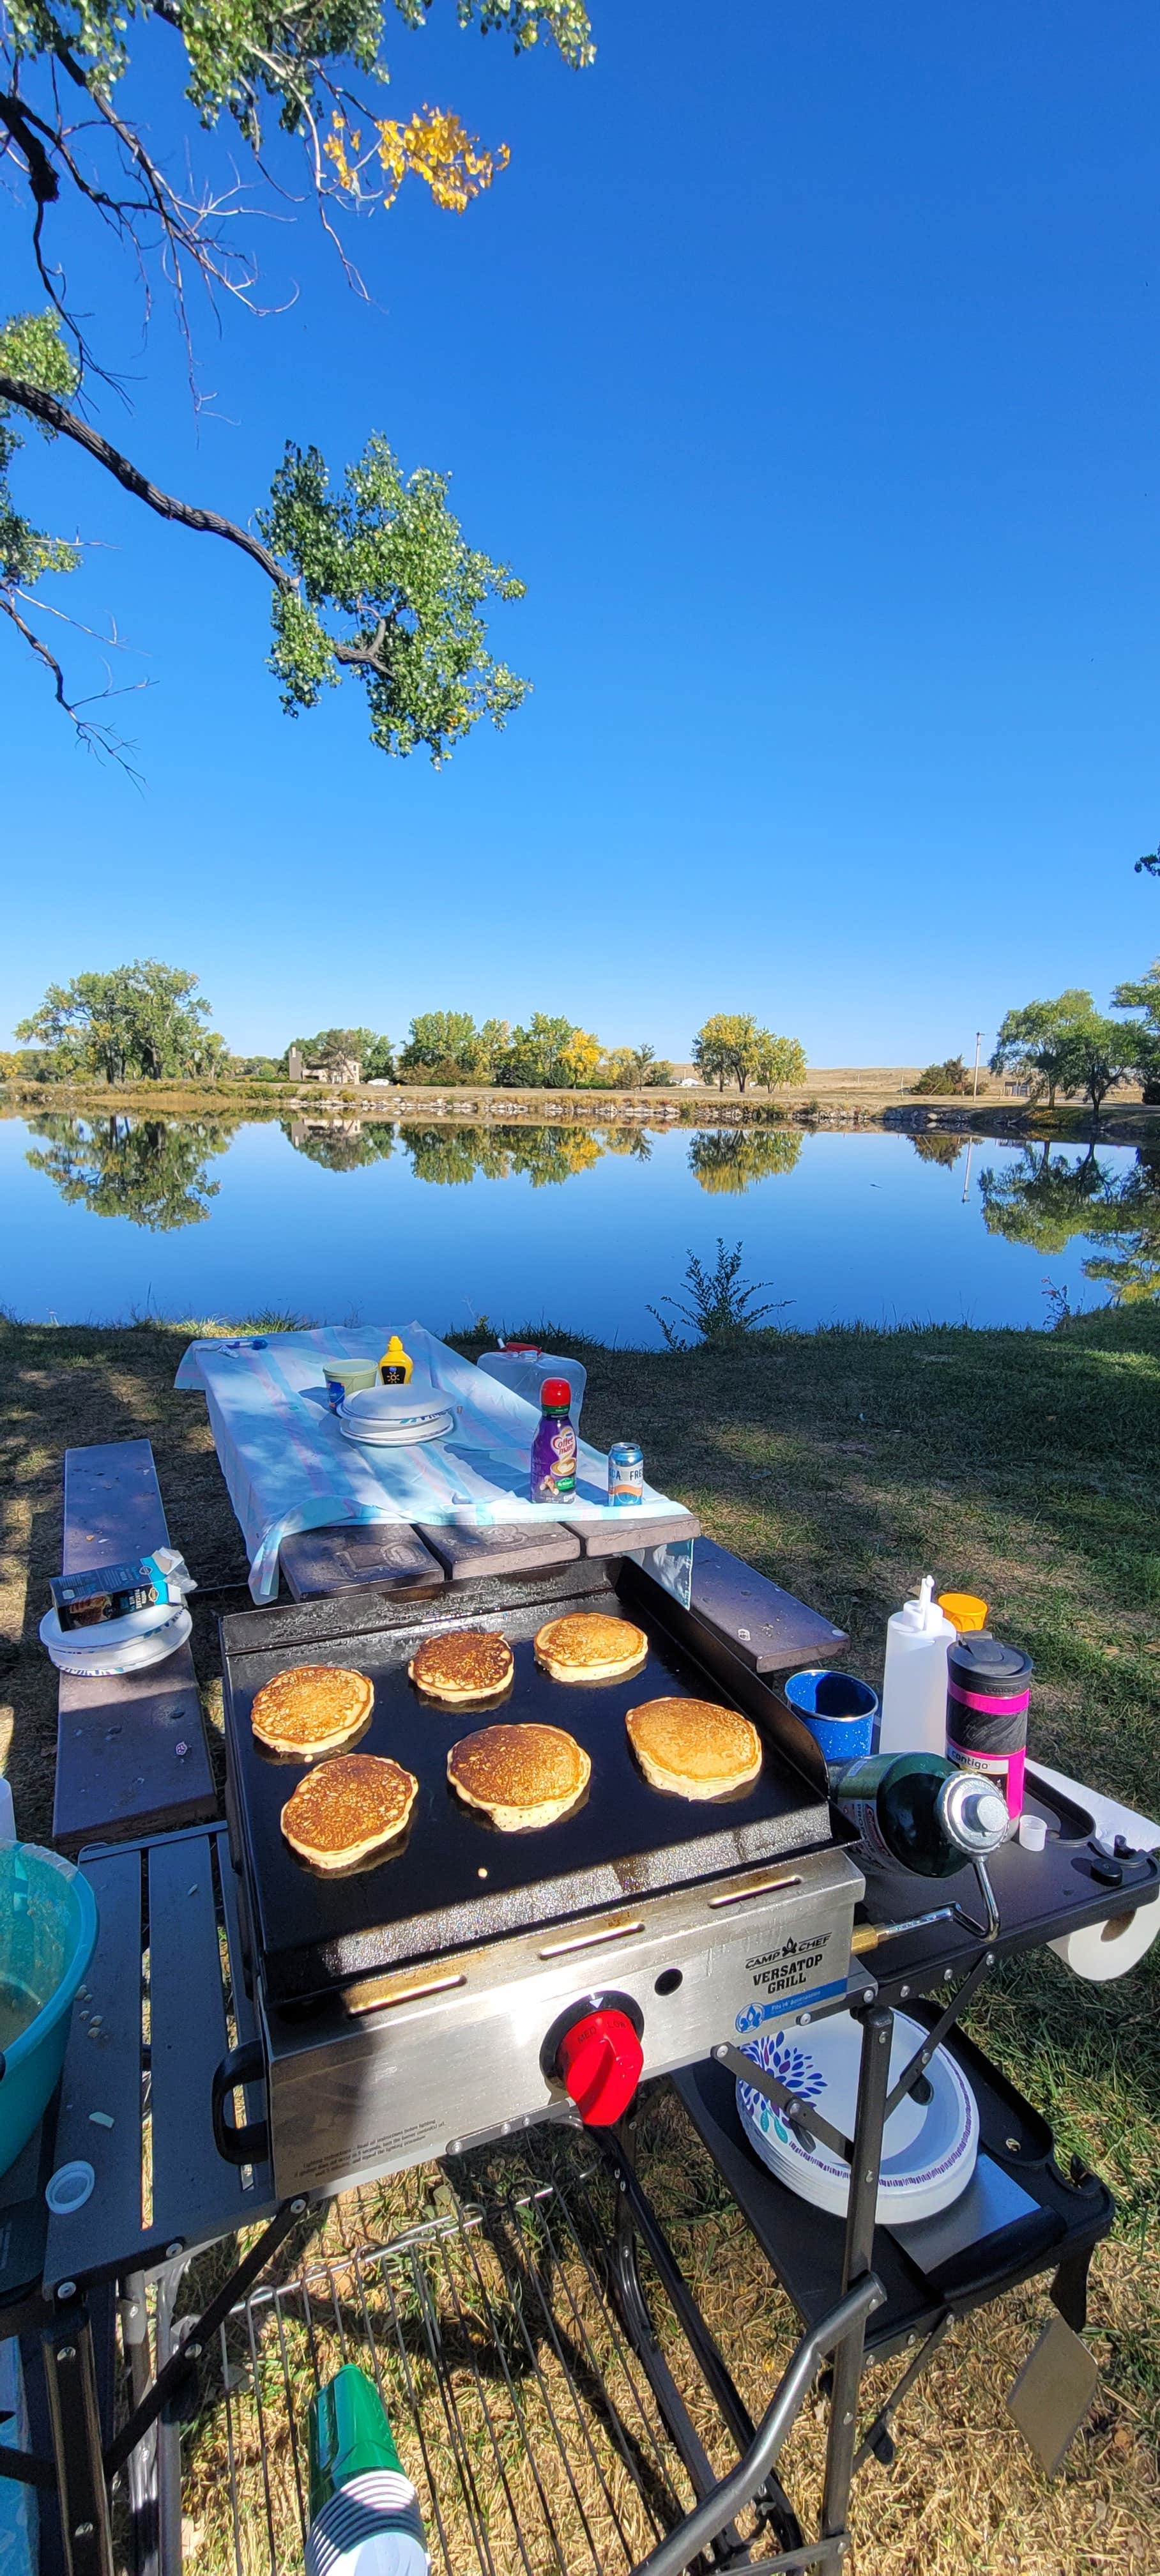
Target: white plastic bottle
<point>914,1687</point>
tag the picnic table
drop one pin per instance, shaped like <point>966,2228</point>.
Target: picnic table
<point>289,1467</point>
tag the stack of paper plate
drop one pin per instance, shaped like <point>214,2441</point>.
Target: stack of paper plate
<point>126,1645</point>
<point>386,1417</point>
<point>929,2148</point>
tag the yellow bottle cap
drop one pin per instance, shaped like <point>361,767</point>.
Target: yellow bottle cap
<point>964,1610</point>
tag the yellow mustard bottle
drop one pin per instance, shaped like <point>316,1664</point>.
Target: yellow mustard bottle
<point>395,1366</point>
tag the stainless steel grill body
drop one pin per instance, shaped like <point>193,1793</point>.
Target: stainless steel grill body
<point>431,2060</point>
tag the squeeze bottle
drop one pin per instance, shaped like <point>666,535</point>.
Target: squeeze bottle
<point>914,1688</point>
<point>364,2512</point>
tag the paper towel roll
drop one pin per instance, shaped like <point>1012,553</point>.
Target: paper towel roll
<point>1103,1950</point>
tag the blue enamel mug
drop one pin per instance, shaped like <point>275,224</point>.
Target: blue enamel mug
<point>840,1711</point>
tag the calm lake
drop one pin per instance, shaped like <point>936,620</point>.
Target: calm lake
<point>104,1218</point>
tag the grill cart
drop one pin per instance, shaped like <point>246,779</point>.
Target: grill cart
<point>561,2402</point>
<point>267,2069</point>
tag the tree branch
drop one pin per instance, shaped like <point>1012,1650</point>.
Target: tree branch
<point>42,178</point>
<point>94,737</point>
<point>55,415</point>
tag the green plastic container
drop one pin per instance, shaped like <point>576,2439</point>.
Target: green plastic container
<point>48,1925</point>
<point>364,2512</point>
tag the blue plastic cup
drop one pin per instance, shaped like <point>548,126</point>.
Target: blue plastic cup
<point>48,1925</point>
<point>840,1711</point>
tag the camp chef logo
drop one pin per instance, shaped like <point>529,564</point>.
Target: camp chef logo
<point>791,1965</point>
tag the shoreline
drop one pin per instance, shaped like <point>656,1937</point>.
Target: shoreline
<point>1122,1123</point>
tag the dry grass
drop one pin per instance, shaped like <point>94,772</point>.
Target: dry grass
<point>1024,1465</point>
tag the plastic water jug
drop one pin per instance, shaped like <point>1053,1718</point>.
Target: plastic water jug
<point>525,1370</point>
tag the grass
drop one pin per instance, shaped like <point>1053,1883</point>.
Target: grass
<point>1025,1466</point>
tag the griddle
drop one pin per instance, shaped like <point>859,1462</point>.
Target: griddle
<point>454,1880</point>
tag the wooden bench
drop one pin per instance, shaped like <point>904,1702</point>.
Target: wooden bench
<point>131,1751</point>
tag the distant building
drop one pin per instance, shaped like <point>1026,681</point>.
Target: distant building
<point>346,1073</point>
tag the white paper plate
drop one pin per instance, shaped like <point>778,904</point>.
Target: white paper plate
<point>929,2158</point>
<point>94,1662</point>
<point>105,1632</point>
<point>370,1435</point>
<point>393,1408</point>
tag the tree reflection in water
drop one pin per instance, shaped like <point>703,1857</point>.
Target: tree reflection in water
<point>542,1155</point>
<point>151,1170</point>
<point>1045,1201</point>
<point>726,1159</point>
<point>340,1144</point>
<point>938,1149</point>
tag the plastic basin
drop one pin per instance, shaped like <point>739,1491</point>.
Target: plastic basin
<point>48,1925</point>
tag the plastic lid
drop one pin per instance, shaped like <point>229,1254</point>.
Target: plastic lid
<point>988,1660</point>
<point>964,1610</point>
<point>69,2188</point>
<point>1032,1831</point>
<point>555,1391</point>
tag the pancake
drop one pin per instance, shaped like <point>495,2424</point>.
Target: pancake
<point>470,1664</point>
<point>311,1709</point>
<point>692,1748</point>
<point>348,1808</point>
<point>521,1776</point>
<point>587,1646</point>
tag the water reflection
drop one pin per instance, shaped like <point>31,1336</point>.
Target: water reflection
<point>156,1172</point>
<point>1045,1201</point>
<point>727,1159</point>
<point>938,1149</point>
<point>152,1170</point>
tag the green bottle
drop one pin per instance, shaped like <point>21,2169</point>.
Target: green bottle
<point>364,2512</point>
<point>916,1810</point>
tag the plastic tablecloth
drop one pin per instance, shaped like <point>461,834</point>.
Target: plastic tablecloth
<point>289,1467</point>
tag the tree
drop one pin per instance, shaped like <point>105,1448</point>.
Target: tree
<point>938,1079</point>
<point>1098,1053</point>
<point>378,1063</point>
<point>152,1170</point>
<point>1034,1040</point>
<point>779,1060</point>
<point>580,1058</point>
<point>443,1046</point>
<point>1144,995</point>
<point>731,1048</point>
<point>537,1057</point>
<point>373,578</point>
<point>724,1050</point>
<point>145,1020</point>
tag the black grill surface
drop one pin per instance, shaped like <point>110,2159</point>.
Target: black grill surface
<point>456,1879</point>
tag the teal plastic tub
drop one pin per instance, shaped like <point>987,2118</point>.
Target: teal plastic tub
<point>48,1925</point>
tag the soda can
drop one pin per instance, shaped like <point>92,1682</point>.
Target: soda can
<point>625,1472</point>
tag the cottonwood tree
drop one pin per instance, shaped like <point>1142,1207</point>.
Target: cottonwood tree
<point>1034,1040</point>
<point>145,1021</point>
<point>1144,995</point>
<point>369,574</point>
<point>732,1048</point>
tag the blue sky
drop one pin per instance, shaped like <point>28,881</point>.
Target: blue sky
<point>804,363</point>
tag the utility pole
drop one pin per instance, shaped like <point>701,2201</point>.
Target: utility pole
<point>978,1044</point>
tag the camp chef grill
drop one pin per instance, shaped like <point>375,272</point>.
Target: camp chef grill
<point>470,1982</point>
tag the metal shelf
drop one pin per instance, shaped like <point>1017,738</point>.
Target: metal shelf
<point>520,2409</point>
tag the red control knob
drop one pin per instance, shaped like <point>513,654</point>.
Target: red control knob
<point>600,2059</point>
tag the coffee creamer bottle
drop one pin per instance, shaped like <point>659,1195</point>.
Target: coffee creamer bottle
<point>364,2512</point>
<point>554,1447</point>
